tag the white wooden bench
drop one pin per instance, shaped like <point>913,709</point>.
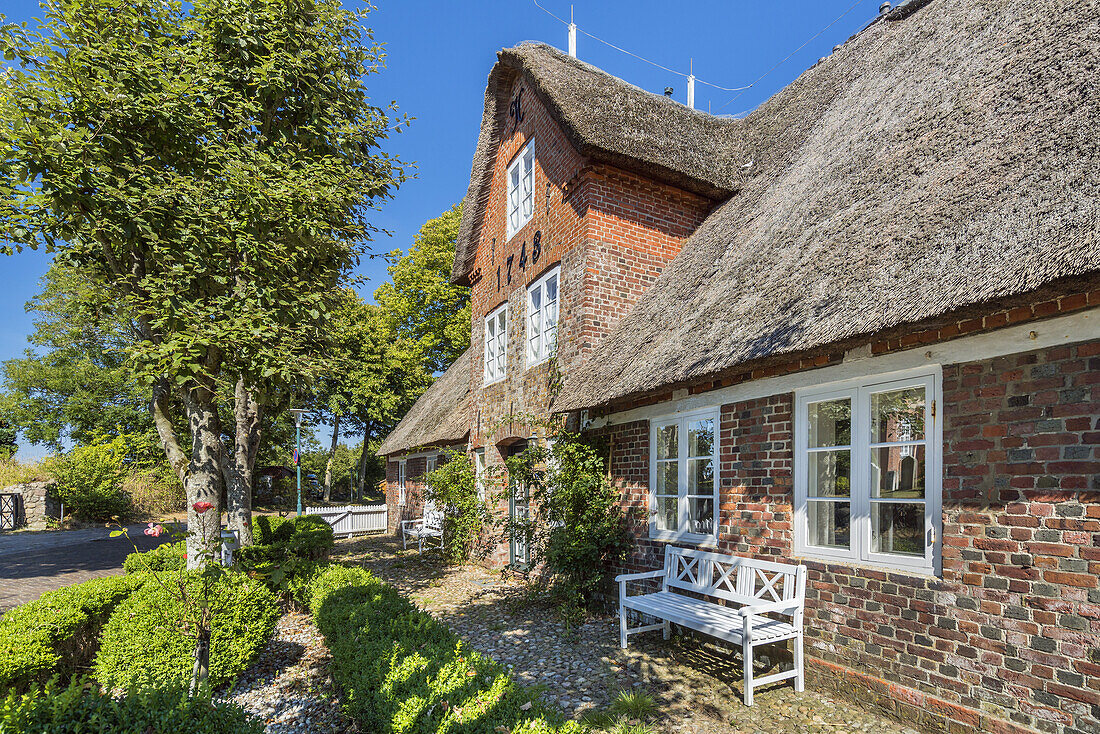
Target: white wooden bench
<point>425,529</point>
<point>752,588</point>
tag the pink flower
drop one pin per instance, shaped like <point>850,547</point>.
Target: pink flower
<point>154,530</point>
<point>201,507</point>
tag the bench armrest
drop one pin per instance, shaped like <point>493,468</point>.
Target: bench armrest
<point>786,607</point>
<point>622,578</point>
<point>406,524</point>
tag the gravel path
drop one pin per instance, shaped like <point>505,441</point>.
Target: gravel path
<point>697,687</point>
<point>289,687</point>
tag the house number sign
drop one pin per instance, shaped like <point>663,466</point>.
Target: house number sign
<point>536,253</point>
<point>515,110</point>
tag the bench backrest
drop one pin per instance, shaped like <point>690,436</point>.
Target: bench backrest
<point>733,578</point>
<point>433,520</point>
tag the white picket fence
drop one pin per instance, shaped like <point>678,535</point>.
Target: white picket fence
<point>353,519</point>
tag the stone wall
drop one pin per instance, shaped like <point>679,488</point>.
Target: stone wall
<point>36,503</point>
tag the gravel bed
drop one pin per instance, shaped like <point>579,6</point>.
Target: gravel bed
<point>289,687</point>
<point>697,687</point>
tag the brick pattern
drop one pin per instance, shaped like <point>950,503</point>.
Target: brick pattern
<point>1008,640</point>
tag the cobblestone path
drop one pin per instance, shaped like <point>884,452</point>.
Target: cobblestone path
<point>696,686</point>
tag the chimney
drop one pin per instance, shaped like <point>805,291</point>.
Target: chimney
<point>691,84</point>
<point>884,8</point>
<point>668,91</point>
<point>572,34</point>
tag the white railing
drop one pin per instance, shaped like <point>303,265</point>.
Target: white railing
<point>352,519</point>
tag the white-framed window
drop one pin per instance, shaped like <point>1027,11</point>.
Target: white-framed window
<point>430,463</point>
<point>542,317</point>
<point>521,189</point>
<point>401,475</point>
<point>496,344</point>
<point>868,456</point>
<point>683,477</point>
<point>479,473</point>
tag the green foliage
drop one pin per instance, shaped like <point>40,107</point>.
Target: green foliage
<point>453,486</point>
<point>403,671</point>
<point>89,479</point>
<point>166,557</point>
<point>144,642</point>
<point>286,550</point>
<point>8,442</point>
<point>84,709</point>
<point>77,382</point>
<point>578,528</point>
<point>57,633</point>
<point>425,306</point>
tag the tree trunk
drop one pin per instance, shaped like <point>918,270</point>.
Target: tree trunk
<point>361,469</point>
<point>331,454</point>
<point>158,406</point>
<point>241,461</point>
<point>201,671</point>
<point>203,483</point>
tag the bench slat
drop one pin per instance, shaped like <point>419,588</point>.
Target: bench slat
<point>708,618</point>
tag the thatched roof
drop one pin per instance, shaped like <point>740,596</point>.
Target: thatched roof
<point>939,159</point>
<point>607,120</point>
<point>441,416</point>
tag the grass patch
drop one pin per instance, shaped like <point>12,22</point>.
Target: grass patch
<point>12,472</point>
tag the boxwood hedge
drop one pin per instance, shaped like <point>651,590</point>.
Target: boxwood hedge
<point>143,644</point>
<point>403,671</point>
<point>85,709</point>
<point>166,557</point>
<point>57,633</point>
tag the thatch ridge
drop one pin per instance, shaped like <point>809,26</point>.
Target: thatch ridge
<point>607,120</point>
<point>441,416</point>
<point>942,160</point>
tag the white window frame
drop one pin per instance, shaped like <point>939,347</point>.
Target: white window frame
<point>479,472</point>
<point>520,179</point>
<point>402,477</point>
<point>682,419</point>
<point>539,348</point>
<point>496,369</point>
<point>430,463</point>
<point>859,391</point>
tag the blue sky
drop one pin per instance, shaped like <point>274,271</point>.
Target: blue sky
<point>440,54</point>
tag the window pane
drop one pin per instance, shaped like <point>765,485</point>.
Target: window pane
<point>829,524</point>
<point>700,517</point>
<point>830,473</point>
<point>897,415</point>
<point>700,476</point>
<point>898,527</point>
<point>536,299</point>
<point>667,517</point>
<point>668,442</point>
<point>552,289</point>
<point>667,479</point>
<point>830,423</point>
<point>898,472</point>
<point>701,437</point>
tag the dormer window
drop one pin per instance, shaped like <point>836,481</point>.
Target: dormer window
<point>521,189</point>
<point>496,344</point>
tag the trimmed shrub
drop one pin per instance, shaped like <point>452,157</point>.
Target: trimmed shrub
<point>293,546</point>
<point>166,557</point>
<point>143,642</point>
<point>89,710</point>
<point>57,633</point>
<point>402,671</point>
<point>89,480</point>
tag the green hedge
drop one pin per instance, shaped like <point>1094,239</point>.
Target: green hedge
<point>57,633</point>
<point>88,710</point>
<point>143,644</point>
<point>286,552</point>
<point>166,557</point>
<point>401,671</point>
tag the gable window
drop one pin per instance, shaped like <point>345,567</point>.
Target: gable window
<point>521,189</point>
<point>683,500</point>
<point>542,317</point>
<point>867,468</point>
<point>496,344</point>
<point>401,467</point>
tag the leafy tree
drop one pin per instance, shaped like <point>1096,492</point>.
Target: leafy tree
<point>209,167</point>
<point>8,443</point>
<point>77,382</point>
<point>425,306</point>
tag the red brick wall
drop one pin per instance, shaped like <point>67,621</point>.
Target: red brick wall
<point>1011,633</point>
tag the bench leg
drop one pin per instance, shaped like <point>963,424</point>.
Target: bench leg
<point>746,655</point>
<point>667,631</point>
<point>800,679</point>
